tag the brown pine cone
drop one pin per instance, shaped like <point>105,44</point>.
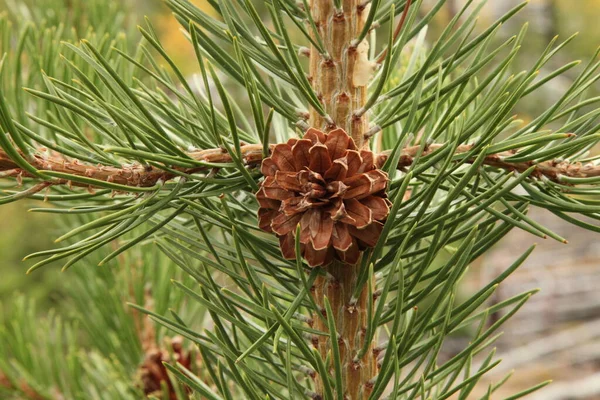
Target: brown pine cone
<point>153,373</point>
<point>334,191</point>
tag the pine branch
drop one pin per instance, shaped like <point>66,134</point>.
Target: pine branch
<point>553,170</point>
<point>137,175</point>
<point>134,117</point>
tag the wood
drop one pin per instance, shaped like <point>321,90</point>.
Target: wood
<point>145,176</point>
<point>339,79</point>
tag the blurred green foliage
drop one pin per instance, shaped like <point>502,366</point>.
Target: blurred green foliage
<point>23,233</point>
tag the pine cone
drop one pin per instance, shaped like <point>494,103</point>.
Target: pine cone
<point>334,191</point>
<point>153,373</point>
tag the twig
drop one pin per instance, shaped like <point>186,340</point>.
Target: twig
<point>146,176</point>
<point>396,32</point>
<point>551,169</point>
<point>134,175</point>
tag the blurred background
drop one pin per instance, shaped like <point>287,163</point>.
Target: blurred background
<point>555,336</point>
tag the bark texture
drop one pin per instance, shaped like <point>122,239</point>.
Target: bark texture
<point>340,79</point>
<point>137,175</point>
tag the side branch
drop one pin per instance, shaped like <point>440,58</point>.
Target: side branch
<point>137,175</point>
<point>134,175</point>
<point>551,169</point>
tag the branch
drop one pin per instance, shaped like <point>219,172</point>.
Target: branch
<point>551,169</point>
<point>137,175</point>
<point>134,175</point>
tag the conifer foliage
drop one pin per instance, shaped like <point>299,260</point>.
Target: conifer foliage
<point>384,159</point>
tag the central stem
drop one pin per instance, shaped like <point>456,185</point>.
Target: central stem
<point>339,78</point>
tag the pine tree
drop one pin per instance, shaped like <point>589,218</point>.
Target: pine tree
<point>294,220</point>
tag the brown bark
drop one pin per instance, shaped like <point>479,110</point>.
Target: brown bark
<point>338,76</point>
<point>135,175</point>
<point>339,79</point>
<point>350,319</point>
<point>140,176</point>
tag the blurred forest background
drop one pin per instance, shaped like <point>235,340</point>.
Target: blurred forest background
<point>556,336</point>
